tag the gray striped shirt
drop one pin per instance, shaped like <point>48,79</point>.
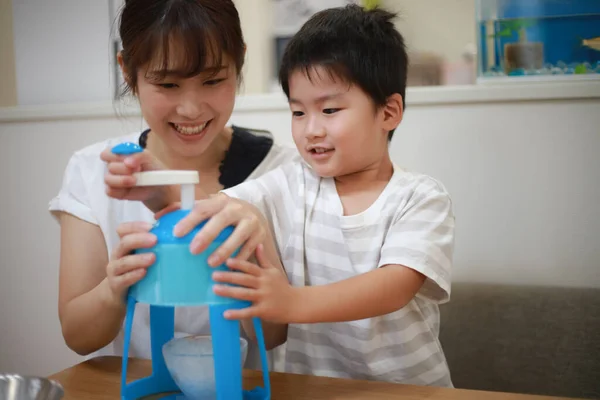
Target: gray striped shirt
<point>411,223</point>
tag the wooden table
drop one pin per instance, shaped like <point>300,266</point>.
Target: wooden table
<point>99,379</point>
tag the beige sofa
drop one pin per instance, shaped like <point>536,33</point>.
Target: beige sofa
<point>525,339</point>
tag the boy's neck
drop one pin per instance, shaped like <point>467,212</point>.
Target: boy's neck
<point>360,189</point>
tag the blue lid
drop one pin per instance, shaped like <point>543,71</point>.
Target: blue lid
<point>163,229</point>
<point>127,148</point>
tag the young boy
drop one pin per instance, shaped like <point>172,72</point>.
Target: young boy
<point>367,246</point>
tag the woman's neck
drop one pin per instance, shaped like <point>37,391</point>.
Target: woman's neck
<point>208,162</point>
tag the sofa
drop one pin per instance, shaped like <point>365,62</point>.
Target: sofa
<point>523,339</point>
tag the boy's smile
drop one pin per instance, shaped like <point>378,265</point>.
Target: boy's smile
<point>320,152</point>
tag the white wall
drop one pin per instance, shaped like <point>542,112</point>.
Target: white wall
<point>523,176</point>
<point>62,52</point>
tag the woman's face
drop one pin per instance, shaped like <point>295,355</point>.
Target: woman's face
<point>186,114</point>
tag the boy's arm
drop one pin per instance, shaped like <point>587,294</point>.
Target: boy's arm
<point>416,257</point>
<point>244,206</point>
<point>251,210</point>
<point>369,295</point>
<point>275,334</point>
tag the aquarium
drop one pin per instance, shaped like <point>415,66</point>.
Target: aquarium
<point>523,40</point>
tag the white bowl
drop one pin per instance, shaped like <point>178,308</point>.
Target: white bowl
<point>191,364</point>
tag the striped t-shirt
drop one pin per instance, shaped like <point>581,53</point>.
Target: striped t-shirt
<point>411,223</point>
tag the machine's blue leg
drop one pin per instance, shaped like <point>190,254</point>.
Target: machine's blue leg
<point>162,325</point>
<point>128,326</point>
<point>266,394</point>
<point>227,355</point>
<point>162,328</point>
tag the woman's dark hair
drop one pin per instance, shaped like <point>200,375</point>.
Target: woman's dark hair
<point>204,30</point>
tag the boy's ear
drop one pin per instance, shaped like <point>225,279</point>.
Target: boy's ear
<point>393,111</point>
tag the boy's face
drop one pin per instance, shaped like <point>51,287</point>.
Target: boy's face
<point>336,127</point>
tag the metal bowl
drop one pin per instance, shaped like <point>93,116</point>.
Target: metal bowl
<point>18,387</point>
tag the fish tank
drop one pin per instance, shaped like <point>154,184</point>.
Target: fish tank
<point>538,40</point>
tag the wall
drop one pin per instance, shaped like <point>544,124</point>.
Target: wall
<point>442,27</point>
<point>62,51</point>
<point>255,17</point>
<point>8,88</point>
<point>521,163</point>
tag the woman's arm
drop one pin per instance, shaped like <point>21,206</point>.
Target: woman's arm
<point>90,318</point>
<point>91,306</point>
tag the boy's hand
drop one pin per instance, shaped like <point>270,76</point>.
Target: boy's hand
<point>265,285</point>
<point>120,182</point>
<point>223,211</point>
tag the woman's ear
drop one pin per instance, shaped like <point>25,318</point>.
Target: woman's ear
<point>123,68</point>
<point>393,111</point>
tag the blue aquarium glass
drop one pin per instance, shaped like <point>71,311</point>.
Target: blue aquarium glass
<point>538,40</point>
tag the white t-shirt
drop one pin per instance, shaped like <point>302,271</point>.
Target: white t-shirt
<point>411,223</point>
<point>83,195</point>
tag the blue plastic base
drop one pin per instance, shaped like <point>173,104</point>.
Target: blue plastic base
<point>254,394</point>
<point>227,358</point>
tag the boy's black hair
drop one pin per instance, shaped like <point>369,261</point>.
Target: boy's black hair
<point>360,46</point>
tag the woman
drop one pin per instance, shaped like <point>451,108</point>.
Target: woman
<point>183,62</point>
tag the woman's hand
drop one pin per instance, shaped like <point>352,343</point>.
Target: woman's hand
<point>223,211</point>
<point>121,183</point>
<point>125,268</point>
